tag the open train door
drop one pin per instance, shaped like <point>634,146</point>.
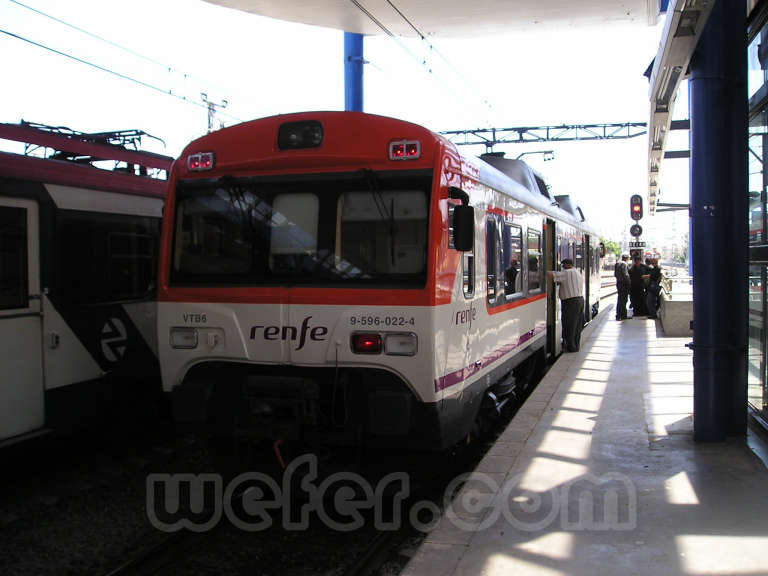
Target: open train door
<point>587,275</point>
<point>552,262</point>
<point>21,387</point>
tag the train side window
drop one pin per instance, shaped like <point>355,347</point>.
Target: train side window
<point>596,258</point>
<point>513,256</point>
<point>13,258</point>
<point>534,260</point>
<point>467,260</point>
<point>565,250</point>
<point>468,273</point>
<point>491,257</point>
<point>130,264</point>
<point>106,257</point>
<point>578,261</point>
<point>451,208</point>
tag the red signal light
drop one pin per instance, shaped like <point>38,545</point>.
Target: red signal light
<point>200,161</point>
<point>366,343</point>
<point>405,150</point>
<point>636,207</point>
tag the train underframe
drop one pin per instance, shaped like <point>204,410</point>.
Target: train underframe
<point>344,407</point>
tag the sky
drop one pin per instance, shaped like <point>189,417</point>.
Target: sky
<point>148,62</point>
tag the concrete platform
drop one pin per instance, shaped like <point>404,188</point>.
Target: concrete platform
<point>598,474</point>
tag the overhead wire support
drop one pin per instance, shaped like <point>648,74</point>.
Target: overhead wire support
<point>490,137</point>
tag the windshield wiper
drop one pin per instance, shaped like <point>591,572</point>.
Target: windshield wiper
<point>388,216</point>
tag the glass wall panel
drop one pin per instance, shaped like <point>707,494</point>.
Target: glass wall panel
<point>758,177</point>
<point>756,64</point>
<point>757,83</point>
<point>756,383</point>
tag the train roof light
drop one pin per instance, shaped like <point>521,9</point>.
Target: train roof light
<point>405,150</point>
<point>295,135</point>
<point>200,161</point>
<point>366,343</point>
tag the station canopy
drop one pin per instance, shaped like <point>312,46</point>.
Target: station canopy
<point>449,18</point>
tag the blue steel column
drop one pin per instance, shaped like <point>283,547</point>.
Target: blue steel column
<point>353,72</point>
<point>719,205</point>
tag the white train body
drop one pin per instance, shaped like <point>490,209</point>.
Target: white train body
<point>349,357</point>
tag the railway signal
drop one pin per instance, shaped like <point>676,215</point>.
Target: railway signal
<point>636,207</point>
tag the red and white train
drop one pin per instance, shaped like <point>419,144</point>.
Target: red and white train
<point>348,279</point>
<point>79,230</point>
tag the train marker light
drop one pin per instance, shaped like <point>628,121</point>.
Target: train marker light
<point>402,344</point>
<point>295,135</point>
<point>405,150</point>
<point>199,162</point>
<point>636,207</point>
<point>366,343</point>
<point>183,337</point>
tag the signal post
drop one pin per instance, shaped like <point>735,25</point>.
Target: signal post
<point>636,213</point>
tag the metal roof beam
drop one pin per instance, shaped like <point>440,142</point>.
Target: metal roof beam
<point>490,137</point>
<point>682,29</point>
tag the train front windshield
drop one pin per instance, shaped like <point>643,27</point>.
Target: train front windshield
<point>348,229</point>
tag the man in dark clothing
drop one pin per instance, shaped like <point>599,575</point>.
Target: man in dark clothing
<point>621,272</point>
<point>637,287</point>
<point>654,288</point>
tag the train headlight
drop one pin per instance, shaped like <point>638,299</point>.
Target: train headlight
<point>405,344</point>
<point>305,134</point>
<point>183,337</point>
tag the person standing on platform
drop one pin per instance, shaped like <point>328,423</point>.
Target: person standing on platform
<point>621,272</point>
<point>637,287</point>
<point>571,302</point>
<point>654,288</point>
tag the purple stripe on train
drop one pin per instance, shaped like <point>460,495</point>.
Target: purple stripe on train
<point>460,375</point>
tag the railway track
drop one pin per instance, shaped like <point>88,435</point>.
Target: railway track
<point>228,549</point>
<point>158,557</point>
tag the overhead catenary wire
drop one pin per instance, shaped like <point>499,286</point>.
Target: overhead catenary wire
<point>130,51</point>
<point>435,50</point>
<point>421,61</point>
<point>165,91</point>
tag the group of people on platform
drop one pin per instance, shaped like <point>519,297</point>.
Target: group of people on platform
<point>640,283</point>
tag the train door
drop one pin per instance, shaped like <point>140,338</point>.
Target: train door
<point>552,262</point>
<point>587,273</point>
<point>21,387</point>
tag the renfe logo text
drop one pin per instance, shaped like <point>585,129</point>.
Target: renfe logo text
<point>292,333</point>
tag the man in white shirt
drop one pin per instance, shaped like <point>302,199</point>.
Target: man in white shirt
<point>571,303</point>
